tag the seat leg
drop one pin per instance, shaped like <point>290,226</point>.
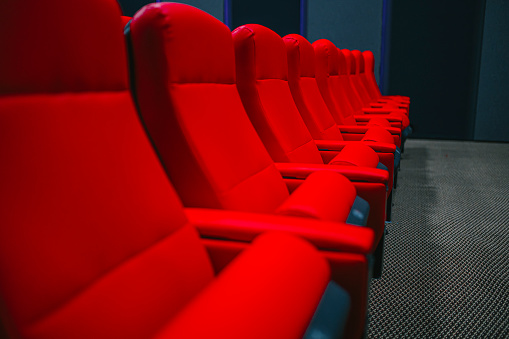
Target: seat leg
<point>378,258</point>
<point>388,208</point>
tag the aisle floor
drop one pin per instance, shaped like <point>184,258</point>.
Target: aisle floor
<point>446,269</point>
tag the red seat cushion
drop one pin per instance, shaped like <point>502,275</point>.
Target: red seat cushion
<point>88,217</point>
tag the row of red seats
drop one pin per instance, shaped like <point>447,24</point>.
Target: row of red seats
<point>94,238</point>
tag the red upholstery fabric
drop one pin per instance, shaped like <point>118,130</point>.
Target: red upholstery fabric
<point>305,201</point>
<point>261,64</point>
<point>289,269</point>
<point>370,81</point>
<point>357,66</point>
<point>327,73</point>
<point>392,108</point>
<point>345,250</point>
<point>208,146</point>
<point>374,193</point>
<point>312,108</point>
<point>261,70</point>
<point>190,105</point>
<point>245,227</point>
<point>351,155</point>
<point>94,242</point>
<point>354,91</point>
<point>327,69</point>
<point>305,92</point>
<point>269,103</point>
<point>349,92</point>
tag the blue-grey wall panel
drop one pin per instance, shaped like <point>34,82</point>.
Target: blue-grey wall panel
<point>352,24</point>
<point>213,7</point>
<point>282,16</point>
<point>492,119</point>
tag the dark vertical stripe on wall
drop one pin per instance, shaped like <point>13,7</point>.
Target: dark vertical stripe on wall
<point>227,13</point>
<point>303,18</point>
<point>385,45</point>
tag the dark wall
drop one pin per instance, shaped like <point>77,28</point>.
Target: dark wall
<point>213,7</point>
<point>129,7</point>
<point>282,16</point>
<point>434,57</point>
<point>351,24</point>
<point>492,119</point>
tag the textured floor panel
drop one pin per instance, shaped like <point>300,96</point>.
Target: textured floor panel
<point>446,272</point>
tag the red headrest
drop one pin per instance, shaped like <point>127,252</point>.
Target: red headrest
<point>268,59</point>
<point>53,59</point>
<point>350,61</point>
<point>326,58</point>
<point>342,63</point>
<point>197,47</point>
<point>300,54</point>
<point>359,61</point>
<point>369,61</point>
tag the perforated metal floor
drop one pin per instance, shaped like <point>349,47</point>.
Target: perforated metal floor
<point>446,272</point>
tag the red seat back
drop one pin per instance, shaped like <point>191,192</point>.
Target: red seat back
<point>184,66</point>
<point>262,73</point>
<point>368,77</point>
<point>327,78</point>
<point>356,77</point>
<point>348,70</point>
<point>305,92</point>
<point>93,240</point>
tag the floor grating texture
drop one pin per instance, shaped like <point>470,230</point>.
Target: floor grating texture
<point>446,269</point>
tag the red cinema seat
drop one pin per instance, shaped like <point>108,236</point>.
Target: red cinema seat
<point>357,78</point>
<point>353,90</point>
<point>327,78</point>
<point>362,82</point>
<point>190,105</point>
<point>184,72</point>
<point>94,242</point>
<point>261,67</point>
<point>312,108</point>
<point>371,85</point>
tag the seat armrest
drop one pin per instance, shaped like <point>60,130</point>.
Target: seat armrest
<point>274,286</point>
<point>394,131</point>
<point>395,122</point>
<point>324,195</point>
<point>333,145</point>
<point>387,114</point>
<point>353,173</point>
<point>382,110</point>
<point>394,101</point>
<point>244,227</point>
<point>364,129</point>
